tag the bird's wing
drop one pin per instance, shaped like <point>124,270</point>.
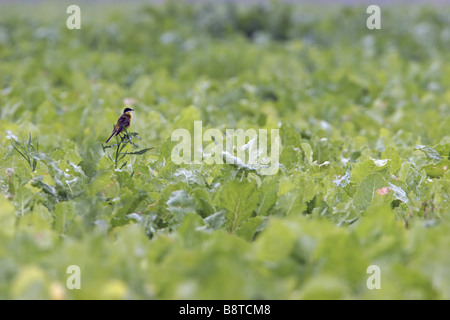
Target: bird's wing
<point>123,121</point>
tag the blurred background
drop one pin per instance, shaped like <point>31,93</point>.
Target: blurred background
<point>192,51</point>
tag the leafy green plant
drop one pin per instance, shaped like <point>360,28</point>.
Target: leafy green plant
<point>27,150</point>
<point>120,148</point>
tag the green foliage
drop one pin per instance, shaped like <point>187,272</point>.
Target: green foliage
<point>364,161</point>
<point>120,148</point>
<point>26,150</point>
<point>367,191</point>
<point>240,199</point>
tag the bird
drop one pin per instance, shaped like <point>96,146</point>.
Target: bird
<point>124,121</point>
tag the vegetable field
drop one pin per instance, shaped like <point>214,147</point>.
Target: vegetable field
<point>357,208</point>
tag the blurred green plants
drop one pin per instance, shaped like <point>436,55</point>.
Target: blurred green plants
<point>26,150</point>
<point>120,153</point>
<point>364,165</point>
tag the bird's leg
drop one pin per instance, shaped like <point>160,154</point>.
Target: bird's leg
<point>126,135</point>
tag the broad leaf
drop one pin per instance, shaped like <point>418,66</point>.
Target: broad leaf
<point>240,199</point>
<point>180,203</point>
<point>367,190</point>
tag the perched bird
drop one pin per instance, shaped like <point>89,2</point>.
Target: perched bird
<point>124,121</point>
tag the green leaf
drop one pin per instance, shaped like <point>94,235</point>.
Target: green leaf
<point>63,216</point>
<point>204,201</point>
<point>140,152</point>
<point>443,150</point>
<point>364,168</point>
<point>367,190</point>
<point>38,183</point>
<point>289,157</point>
<point>294,194</point>
<point>271,246</point>
<point>268,196</point>
<point>240,199</point>
<point>180,203</point>
<point>216,220</point>
<point>429,151</point>
<point>290,136</point>
<point>437,170</point>
<point>361,169</point>
<point>248,228</point>
<point>399,193</point>
<point>190,228</point>
<point>306,147</point>
<point>129,202</point>
<point>190,177</point>
<point>395,160</point>
<point>23,200</point>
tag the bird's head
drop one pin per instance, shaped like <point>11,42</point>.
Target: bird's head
<point>127,110</point>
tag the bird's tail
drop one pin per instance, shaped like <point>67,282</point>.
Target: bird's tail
<point>112,135</point>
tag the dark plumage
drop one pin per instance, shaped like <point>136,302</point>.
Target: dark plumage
<point>124,121</point>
